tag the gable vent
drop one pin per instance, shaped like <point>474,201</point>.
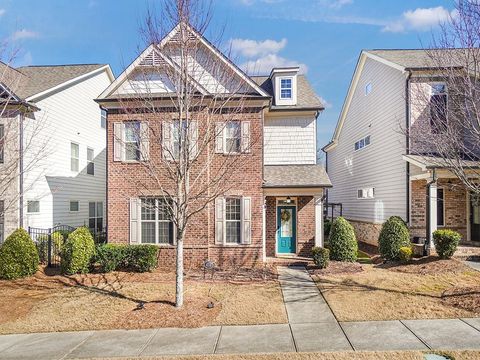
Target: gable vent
<point>152,59</point>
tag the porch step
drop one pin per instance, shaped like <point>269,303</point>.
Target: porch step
<point>290,261</point>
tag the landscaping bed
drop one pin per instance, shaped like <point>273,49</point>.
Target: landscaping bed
<point>52,302</point>
<point>421,289</point>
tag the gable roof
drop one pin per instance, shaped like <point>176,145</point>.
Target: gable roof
<point>151,49</point>
<point>295,176</point>
<point>416,59</point>
<point>28,81</point>
<point>306,97</point>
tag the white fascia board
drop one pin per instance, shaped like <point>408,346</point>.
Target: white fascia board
<point>72,81</point>
<point>417,163</point>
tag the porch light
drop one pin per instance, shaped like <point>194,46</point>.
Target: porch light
<point>288,201</point>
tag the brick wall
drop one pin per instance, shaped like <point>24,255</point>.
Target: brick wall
<point>366,232</point>
<point>455,206</point>
<point>130,180</point>
<point>305,225</point>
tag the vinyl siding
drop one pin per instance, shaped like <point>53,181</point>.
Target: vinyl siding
<point>290,140</point>
<point>68,116</point>
<point>380,114</point>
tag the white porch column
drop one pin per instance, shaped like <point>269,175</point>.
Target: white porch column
<point>432,199</point>
<point>318,221</point>
<point>264,230</point>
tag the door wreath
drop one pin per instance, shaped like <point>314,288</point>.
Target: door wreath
<point>285,215</point>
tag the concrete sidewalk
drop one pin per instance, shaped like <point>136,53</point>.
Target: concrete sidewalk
<point>312,327</point>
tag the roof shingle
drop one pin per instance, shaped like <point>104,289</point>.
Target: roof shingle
<point>291,176</point>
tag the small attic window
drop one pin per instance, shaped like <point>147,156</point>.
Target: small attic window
<point>368,88</point>
<point>286,88</point>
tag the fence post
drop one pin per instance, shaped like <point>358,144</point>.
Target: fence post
<point>49,247</point>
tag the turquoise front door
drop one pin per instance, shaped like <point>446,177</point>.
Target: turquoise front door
<point>286,229</point>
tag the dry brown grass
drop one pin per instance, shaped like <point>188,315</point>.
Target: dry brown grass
<point>421,290</point>
<point>92,302</point>
<point>347,355</point>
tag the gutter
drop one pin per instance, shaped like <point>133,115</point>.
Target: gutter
<point>20,200</point>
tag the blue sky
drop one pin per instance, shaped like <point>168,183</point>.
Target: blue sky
<point>325,37</point>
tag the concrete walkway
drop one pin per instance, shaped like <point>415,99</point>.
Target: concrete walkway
<point>312,327</point>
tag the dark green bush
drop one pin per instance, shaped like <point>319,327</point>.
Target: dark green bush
<point>405,253</point>
<point>342,242</point>
<point>446,242</point>
<point>18,256</point>
<point>393,236</point>
<point>327,225</point>
<point>42,245</point>
<point>77,252</point>
<point>320,256</point>
<point>110,257</point>
<point>141,258</point>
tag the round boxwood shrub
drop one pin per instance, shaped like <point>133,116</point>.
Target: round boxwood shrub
<point>77,252</point>
<point>446,242</point>
<point>42,245</point>
<point>18,256</point>
<point>405,253</point>
<point>320,257</point>
<point>141,258</point>
<point>393,236</point>
<point>110,257</point>
<point>342,242</point>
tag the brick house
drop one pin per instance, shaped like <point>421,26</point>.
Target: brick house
<point>377,171</point>
<point>273,204</point>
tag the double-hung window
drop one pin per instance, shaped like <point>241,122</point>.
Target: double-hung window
<point>233,220</point>
<point>95,216</point>
<point>103,119</point>
<point>367,193</point>
<point>74,206</point>
<point>132,141</point>
<point>33,206</point>
<point>90,163</point>
<point>233,137</point>
<point>156,221</point>
<point>2,143</point>
<point>74,157</point>
<point>438,108</point>
<point>286,88</point>
<point>179,133</point>
<point>360,144</point>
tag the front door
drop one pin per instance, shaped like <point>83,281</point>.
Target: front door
<point>474,218</point>
<point>286,229</point>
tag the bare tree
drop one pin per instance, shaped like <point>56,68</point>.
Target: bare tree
<point>20,148</point>
<point>189,101</point>
<point>447,127</point>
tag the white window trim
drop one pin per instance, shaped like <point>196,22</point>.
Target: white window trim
<point>155,221</point>
<point>71,156</point>
<point>280,87</point>
<point>432,84</point>
<point>225,152</point>
<point>367,85</point>
<point>124,137</point>
<point>365,191</point>
<point>36,212</point>
<point>225,243</point>
<point>91,161</point>
<point>96,213</point>
<point>364,146</point>
<point>70,208</point>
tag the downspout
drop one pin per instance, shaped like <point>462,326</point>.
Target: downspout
<point>264,202</point>
<point>428,238</point>
<point>20,165</point>
<point>106,173</point>
<point>407,140</point>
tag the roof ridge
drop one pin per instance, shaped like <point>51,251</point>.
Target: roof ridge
<point>61,65</point>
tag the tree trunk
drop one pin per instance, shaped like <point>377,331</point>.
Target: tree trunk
<point>179,271</point>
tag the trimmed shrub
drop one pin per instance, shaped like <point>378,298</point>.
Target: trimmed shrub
<point>77,252</point>
<point>342,242</point>
<point>141,258</point>
<point>405,253</point>
<point>18,256</point>
<point>393,236</point>
<point>42,245</point>
<point>110,257</point>
<point>320,256</point>
<point>327,225</point>
<point>446,242</point>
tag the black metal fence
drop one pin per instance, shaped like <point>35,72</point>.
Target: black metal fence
<point>50,242</point>
<point>332,210</point>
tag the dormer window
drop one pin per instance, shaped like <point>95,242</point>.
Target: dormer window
<point>286,88</point>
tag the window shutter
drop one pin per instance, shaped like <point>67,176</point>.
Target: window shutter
<point>135,213</point>
<point>118,148</point>
<point>246,136</point>
<point>246,220</point>
<point>193,139</point>
<point>167,140</point>
<point>144,141</point>
<point>219,220</point>
<point>219,143</point>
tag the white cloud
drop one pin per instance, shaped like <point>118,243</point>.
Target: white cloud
<point>420,19</point>
<point>2,12</point>
<point>252,48</point>
<point>264,64</point>
<point>24,34</point>
<point>337,4</point>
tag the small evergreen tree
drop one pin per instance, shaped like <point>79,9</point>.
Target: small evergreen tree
<point>342,242</point>
<point>393,236</point>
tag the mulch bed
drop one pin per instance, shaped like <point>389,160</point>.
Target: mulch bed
<point>431,265</point>
<point>467,298</point>
<point>336,268</point>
